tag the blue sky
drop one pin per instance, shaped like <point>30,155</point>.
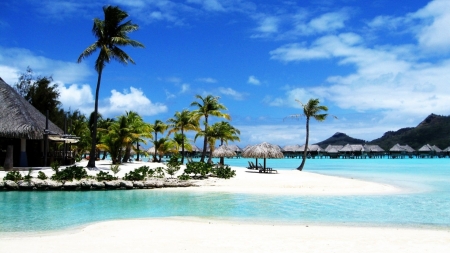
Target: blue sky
<point>378,66</point>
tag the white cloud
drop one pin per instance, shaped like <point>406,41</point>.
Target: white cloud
<point>434,35</point>
<point>328,22</point>
<point>76,97</point>
<point>18,59</point>
<point>132,100</point>
<point>232,93</point>
<point>185,88</point>
<point>268,24</point>
<point>253,80</point>
<point>207,80</point>
<point>209,5</point>
<point>291,97</point>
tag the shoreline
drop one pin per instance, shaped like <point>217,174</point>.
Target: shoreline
<point>192,234</point>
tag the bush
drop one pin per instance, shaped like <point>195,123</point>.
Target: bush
<point>105,176</point>
<point>159,172</point>
<point>28,176</point>
<point>41,175</point>
<point>173,165</point>
<point>70,173</point>
<point>115,168</point>
<point>138,174</point>
<point>184,177</point>
<point>198,168</point>
<point>13,176</point>
<point>224,172</point>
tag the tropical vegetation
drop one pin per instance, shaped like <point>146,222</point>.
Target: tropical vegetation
<point>111,34</point>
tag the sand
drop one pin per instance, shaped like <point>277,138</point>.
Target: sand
<point>213,235</point>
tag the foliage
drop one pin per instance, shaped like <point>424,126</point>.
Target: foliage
<point>115,169</point>
<point>224,172</point>
<point>28,176</point>
<point>173,165</point>
<point>158,127</point>
<point>198,168</point>
<point>13,176</point>
<point>110,33</point>
<point>55,166</point>
<point>105,176</point>
<point>70,173</point>
<point>184,176</point>
<point>183,121</point>
<point>159,172</point>
<point>312,109</point>
<point>41,175</point>
<point>138,174</point>
<point>208,106</point>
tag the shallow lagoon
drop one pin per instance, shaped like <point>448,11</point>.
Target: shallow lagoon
<point>425,203</point>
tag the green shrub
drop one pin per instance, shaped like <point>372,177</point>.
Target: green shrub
<point>70,173</point>
<point>138,174</point>
<point>115,168</point>
<point>55,166</point>
<point>224,172</point>
<point>41,175</point>
<point>159,172</point>
<point>198,168</point>
<point>28,176</point>
<point>184,177</point>
<point>173,165</point>
<point>105,176</point>
<point>13,176</point>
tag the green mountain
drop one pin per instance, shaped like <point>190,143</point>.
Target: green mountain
<point>340,139</point>
<point>434,130</point>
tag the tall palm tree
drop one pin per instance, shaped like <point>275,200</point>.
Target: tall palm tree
<point>208,106</point>
<point>110,33</point>
<point>158,127</point>
<point>311,109</point>
<point>183,121</point>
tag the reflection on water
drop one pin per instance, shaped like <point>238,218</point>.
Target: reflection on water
<point>428,205</point>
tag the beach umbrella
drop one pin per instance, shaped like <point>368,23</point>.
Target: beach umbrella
<point>223,151</point>
<point>264,150</point>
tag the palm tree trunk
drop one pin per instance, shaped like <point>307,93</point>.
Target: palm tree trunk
<point>222,159</point>
<point>182,146</point>
<point>305,151</point>
<point>205,141</point>
<point>92,155</point>
<point>127,154</point>
<point>156,139</point>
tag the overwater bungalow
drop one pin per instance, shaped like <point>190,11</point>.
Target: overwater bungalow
<point>373,151</point>
<point>24,132</point>
<point>332,151</point>
<point>399,151</point>
<point>292,151</point>
<point>428,151</point>
<point>352,151</point>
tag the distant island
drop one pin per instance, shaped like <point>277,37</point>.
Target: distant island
<point>433,130</point>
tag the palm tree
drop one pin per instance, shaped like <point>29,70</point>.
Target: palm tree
<point>311,109</point>
<point>183,121</point>
<point>225,132</point>
<point>110,33</point>
<point>158,127</point>
<point>180,141</point>
<point>207,106</point>
<point>137,131</point>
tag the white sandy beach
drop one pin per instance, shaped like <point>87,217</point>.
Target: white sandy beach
<point>213,235</point>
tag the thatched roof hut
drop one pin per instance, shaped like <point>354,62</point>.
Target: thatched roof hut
<point>373,148</point>
<point>263,150</point>
<point>19,119</point>
<point>292,148</point>
<point>223,151</point>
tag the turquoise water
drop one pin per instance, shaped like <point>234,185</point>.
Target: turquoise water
<point>426,202</point>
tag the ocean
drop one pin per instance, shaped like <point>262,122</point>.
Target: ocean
<point>424,203</point>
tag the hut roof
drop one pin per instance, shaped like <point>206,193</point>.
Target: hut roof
<point>19,119</point>
<point>311,148</point>
<point>291,148</point>
<point>398,148</point>
<point>235,148</point>
<point>436,148</point>
<point>223,151</point>
<point>337,147</point>
<point>263,150</point>
<point>373,148</point>
<point>425,148</point>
